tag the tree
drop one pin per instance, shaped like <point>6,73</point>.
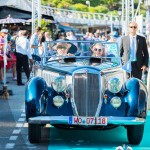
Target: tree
<point>81,7</point>
<point>64,5</point>
<point>102,9</point>
<point>59,3</point>
<point>112,4</point>
<point>93,3</point>
<point>104,6</point>
<point>92,9</point>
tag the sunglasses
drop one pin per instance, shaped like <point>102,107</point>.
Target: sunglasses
<point>62,47</point>
<point>133,27</point>
<point>96,49</point>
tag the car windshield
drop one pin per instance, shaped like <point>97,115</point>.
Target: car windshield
<point>79,52</point>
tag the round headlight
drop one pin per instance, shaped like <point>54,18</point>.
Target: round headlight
<point>59,84</point>
<point>58,101</point>
<point>114,85</point>
<point>115,102</point>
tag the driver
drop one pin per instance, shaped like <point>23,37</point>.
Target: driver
<point>62,49</point>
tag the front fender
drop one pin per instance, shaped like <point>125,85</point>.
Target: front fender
<point>136,97</point>
<point>33,92</point>
<point>143,97</point>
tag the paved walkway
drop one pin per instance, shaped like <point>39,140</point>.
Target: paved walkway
<point>13,126</point>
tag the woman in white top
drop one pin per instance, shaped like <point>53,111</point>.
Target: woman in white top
<point>43,49</point>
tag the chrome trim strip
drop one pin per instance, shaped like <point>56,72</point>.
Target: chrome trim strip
<point>87,99</point>
<point>100,98</point>
<point>73,101</point>
<point>113,69</point>
<point>49,76</point>
<point>143,87</point>
<point>65,120</point>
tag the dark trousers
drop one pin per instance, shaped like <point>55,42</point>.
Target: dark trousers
<point>136,71</point>
<point>22,61</point>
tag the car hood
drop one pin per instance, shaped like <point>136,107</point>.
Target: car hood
<point>69,69</point>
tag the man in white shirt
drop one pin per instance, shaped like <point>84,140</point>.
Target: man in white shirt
<point>23,53</point>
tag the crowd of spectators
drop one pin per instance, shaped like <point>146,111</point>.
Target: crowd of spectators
<point>22,46</point>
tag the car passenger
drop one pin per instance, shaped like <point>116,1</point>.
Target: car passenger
<point>98,50</point>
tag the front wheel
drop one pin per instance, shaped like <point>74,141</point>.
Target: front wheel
<point>34,133</point>
<point>135,133</point>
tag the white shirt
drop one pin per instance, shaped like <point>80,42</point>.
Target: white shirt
<point>44,51</point>
<point>34,41</point>
<point>23,46</point>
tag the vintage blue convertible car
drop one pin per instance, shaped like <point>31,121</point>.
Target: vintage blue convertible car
<point>85,92</point>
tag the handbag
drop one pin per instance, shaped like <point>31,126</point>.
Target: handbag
<point>36,57</point>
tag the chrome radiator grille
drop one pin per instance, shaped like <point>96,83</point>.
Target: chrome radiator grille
<point>86,93</point>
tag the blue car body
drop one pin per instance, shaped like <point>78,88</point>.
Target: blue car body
<point>91,98</point>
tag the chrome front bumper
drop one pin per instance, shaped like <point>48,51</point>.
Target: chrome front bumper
<point>65,120</point>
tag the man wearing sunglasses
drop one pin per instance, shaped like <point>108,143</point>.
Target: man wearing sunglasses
<point>134,53</point>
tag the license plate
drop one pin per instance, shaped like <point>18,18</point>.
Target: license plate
<point>87,120</point>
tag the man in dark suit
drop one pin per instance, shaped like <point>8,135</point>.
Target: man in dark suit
<point>133,50</point>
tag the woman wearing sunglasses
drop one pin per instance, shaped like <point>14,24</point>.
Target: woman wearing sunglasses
<point>98,50</point>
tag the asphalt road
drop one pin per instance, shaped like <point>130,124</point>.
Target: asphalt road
<point>14,130</point>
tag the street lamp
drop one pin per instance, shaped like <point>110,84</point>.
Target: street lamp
<point>88,3</point>
<point>119,14</point>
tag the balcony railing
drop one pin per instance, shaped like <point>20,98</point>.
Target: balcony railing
<point>72,16</point>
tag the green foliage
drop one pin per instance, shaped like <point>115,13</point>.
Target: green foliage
<point>44,24</point>
<point>72,7</point>
<point>64,5</point>
<point>112,2</point>
<point>79,1</point>
<point>136,2</point>
<point>57,3</point>
<point>53,3</point>
<point>44,3</point>
<point>114,13</point>
<point>95,3</point>
<point>81,7</point>
<point>143,7</point>
<point>143,12</point>
<point>100,6</point>
<point>92,10</point>
<point>102,9</point>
